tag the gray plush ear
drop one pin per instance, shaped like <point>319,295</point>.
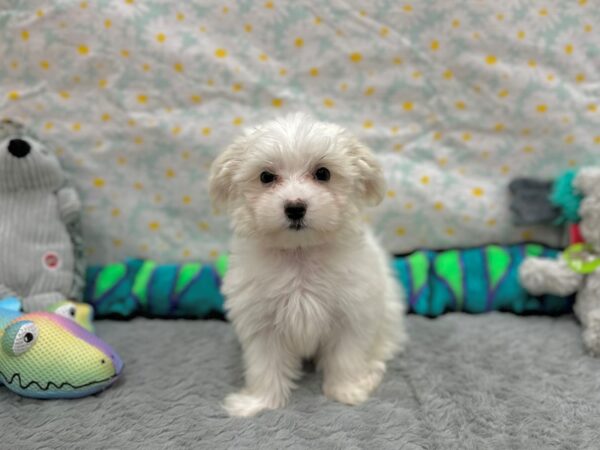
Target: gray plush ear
<point>372,183</point>
<point>220,181</point>
<point>588,180</point>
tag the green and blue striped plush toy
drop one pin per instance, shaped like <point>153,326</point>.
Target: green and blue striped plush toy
<point>474,280</point>
<point>143,287</point>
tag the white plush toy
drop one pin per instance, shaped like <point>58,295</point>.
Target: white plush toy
<point>577,270</point>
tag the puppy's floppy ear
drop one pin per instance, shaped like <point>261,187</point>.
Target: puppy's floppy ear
<point>222,170</point>
<point>371,181</point>
<point>588,180</point>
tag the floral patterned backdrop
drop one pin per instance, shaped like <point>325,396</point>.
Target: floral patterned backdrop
<point>456,97</point>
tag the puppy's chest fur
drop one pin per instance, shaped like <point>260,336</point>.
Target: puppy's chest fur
<point>302,296</point>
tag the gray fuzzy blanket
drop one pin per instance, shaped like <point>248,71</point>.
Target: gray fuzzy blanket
<point>488,381</point>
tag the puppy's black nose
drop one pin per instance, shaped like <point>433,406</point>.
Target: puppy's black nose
<point>19,148</point>
<point>295,211</point>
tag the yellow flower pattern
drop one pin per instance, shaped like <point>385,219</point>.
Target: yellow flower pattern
<point>139,97</point>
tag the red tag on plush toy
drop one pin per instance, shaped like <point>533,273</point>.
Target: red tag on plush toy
<point>51,261</point>
<point>575,234</point>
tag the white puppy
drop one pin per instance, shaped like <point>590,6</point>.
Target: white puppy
<point>307,279</point>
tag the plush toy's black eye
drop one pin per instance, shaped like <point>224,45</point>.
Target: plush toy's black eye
<point>322,174</point>
<point>267,177</point>
<point>19,148</point>
<point>72,311</point>
<point>28,337</point>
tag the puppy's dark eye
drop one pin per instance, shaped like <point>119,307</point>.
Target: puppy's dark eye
<point>322,174</point>
<point>267,177</point>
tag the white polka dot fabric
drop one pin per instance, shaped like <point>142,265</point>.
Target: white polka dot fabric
<point>456,97</point>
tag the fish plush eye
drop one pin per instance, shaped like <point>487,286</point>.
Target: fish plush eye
<point>19,337</point>
<point>67,310</point>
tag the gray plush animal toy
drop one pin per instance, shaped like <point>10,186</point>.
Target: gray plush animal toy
<point>577,270</point>
<point>40,241</point>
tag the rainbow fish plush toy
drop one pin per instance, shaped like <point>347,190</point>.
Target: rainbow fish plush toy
<point>48,355</point>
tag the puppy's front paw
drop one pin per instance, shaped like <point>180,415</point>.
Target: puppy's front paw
<point>356,391</point>
<point>348,393</point>
<point>242,404</point>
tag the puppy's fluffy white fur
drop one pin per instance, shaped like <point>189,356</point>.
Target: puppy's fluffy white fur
<point>317,288</point>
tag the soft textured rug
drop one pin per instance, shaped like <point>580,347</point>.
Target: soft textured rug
<point>487,381</point>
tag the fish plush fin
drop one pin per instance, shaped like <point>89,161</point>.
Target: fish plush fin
<point>11,304</point>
